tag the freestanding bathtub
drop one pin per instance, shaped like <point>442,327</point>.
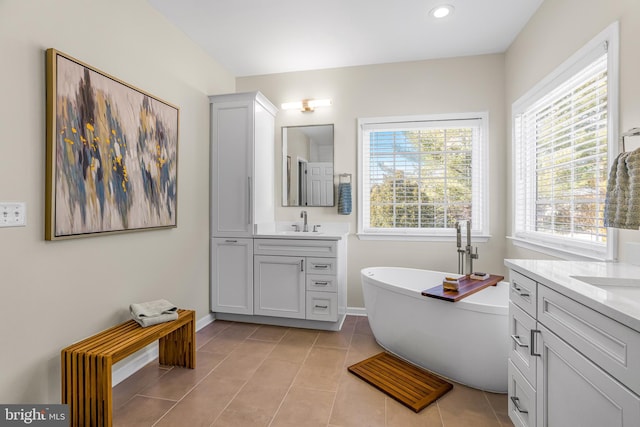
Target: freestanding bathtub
<point>465,341</point>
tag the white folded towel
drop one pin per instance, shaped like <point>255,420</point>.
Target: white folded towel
<point>153,312</point>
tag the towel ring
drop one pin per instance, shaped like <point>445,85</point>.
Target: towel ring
<point>630,132</point>
<point>347,176</point>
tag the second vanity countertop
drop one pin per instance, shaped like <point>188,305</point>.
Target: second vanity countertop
<point>610,288</point>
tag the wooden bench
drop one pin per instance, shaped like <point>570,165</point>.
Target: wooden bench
<point>86,365</point>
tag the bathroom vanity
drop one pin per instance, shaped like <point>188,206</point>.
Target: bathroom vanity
<point>281,278</point>
<point>263,271</point>
<point>574,356</point>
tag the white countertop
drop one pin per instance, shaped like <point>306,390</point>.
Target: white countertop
<point>560,276</point>
<point>284,230</point>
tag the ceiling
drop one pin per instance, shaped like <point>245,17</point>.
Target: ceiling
<point>254,37</point>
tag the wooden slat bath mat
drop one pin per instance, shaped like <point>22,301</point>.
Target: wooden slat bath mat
<point>413,387</point>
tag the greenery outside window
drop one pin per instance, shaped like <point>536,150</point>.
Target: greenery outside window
<point>564,139</point>
<point>419,175</point>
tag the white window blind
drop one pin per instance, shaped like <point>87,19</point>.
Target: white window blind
<point>561,155</point>
<point>420,176</point>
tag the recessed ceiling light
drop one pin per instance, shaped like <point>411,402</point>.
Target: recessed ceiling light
<point>441,11</point>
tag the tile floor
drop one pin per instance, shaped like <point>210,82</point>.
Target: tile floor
<point>259,375</point>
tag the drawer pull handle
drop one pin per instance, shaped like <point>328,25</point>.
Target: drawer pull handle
<point>516,338</point>
<point>321,266</point>
<point>519,290</point>
<point>321,283</point>
<point>322,306</point>
<point>516,403</point>
<point>231,241</point>
<point>533,342</point>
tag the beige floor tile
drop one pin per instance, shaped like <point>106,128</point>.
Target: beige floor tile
<point>269,333</point>
<point>295,345</point>
<point>322,369</point>
<point>211,330</point>
<point>252,375</point>
<point>179,381</point>
<point>241,366</point>
<point>357,404</point>
<point>141,411</point>
<point>365,345</point>
<point>464,406</point>
<point>362,326</point>
<point>398,415</point>
<point>254,347</point>
<point>499,404</point>
<point>276,372</point>
<point>204,404</point>
<point>131,386</point>
<point>340,339</point>
<point>230,338</point>
<point>304,407</point>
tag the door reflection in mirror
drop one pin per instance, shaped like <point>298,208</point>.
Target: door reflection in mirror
<point>307,165</point>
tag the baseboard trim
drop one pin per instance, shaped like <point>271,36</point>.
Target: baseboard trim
<point>357,311</point>
<point>136,362</point>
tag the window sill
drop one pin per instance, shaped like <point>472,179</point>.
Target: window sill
<point>420,238</point>
<point>569,254</point>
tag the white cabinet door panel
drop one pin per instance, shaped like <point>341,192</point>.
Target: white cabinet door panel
<point>279,286</point>
<point>572,391</point>
<point>232,276</point>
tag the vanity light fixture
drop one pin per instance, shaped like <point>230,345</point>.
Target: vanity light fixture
<point>441,11</point>
<point>306,105</point>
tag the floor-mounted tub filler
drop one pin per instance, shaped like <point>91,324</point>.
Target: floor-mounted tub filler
<point>464,341</point>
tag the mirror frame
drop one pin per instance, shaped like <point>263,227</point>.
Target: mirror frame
<point>287,166</point>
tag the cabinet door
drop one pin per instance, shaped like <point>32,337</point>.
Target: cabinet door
<point>572,391</point>
<point>232,276</point>
<point>279,286</point>
<point>232,167</point>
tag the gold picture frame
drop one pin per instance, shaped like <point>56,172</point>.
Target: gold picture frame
<point>112,154</point>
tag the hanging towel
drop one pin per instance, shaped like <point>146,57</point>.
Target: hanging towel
<point>622,203</point>
<point>153,312</point>
<point>344,198</point>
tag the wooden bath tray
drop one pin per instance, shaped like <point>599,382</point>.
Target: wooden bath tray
<point>466,288</point>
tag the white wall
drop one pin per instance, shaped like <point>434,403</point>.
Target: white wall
<point>55,293</point>
<point>424,87</point>
<point>557,30</point>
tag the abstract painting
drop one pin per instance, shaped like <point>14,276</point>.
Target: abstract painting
<point>111,154</point>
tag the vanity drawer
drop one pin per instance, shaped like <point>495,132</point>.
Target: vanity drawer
<point>295,247</point>
<point>322,306</point>
<point>522,291</point>
<point>609,344</point>
<point>522,399</point>
<point>322,283</point>
<point>321,266</point>
<point>521,326</point>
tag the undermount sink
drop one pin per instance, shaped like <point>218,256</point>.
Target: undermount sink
<point>627,287</point>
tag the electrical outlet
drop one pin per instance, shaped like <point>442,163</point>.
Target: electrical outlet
<point>13,214</point>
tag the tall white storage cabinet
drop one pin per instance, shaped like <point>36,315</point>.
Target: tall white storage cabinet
<point>242,193</point>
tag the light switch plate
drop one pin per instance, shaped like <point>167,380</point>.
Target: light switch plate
<point>13,214</point>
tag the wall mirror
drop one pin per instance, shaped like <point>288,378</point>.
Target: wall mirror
<point>307,165</point>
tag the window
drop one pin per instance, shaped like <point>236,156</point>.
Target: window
<point>563,142</point>
<point>419,175</point>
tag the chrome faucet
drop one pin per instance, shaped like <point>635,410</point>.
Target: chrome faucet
<point>305,226</point>
<point>468,251</point>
